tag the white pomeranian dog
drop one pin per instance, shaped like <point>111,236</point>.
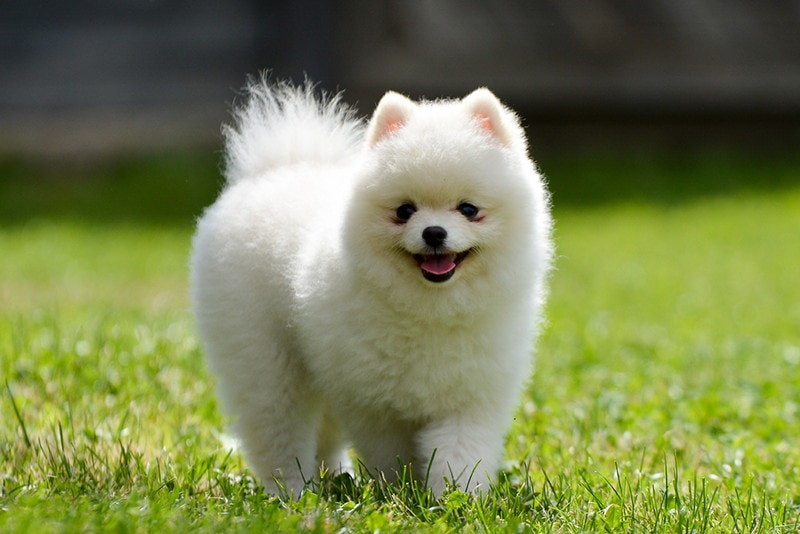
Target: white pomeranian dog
<point>378,287</point>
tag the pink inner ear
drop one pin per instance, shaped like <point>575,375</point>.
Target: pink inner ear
<point>392,125</point>
<point>485,122</point>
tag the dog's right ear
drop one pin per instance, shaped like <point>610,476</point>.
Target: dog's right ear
<point>391,114</point>
<point>490,115</point>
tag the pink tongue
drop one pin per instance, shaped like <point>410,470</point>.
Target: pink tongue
<point>438,264</point>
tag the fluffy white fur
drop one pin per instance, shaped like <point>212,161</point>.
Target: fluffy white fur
<point>312,300</point>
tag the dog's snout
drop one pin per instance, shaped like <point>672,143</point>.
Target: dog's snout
<point>434,236</point>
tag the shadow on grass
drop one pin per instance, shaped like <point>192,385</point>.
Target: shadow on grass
<point>586,179</point>
<point>164,189</point>
<point>173,189</point>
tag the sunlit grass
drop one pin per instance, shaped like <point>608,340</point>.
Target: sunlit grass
<point>673,351</point>
<point>666,396</point>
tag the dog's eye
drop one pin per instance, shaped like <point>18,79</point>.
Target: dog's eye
<point>405,211</point>
<point>468,210</point>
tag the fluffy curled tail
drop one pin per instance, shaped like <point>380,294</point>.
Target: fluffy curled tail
<point>282,124</point>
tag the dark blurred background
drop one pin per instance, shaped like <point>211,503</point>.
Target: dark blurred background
<point>91,77</point>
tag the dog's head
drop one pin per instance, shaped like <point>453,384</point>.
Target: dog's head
<point>446,192</point>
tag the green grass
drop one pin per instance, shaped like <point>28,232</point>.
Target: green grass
<point>666,396</point>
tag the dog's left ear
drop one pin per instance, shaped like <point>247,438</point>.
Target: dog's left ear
<point>490,114</point>
<point>391,114</point>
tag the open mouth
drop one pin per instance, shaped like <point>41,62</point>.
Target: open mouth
<point>439,267</point>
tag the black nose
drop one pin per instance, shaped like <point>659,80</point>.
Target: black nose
<point>434,236</point>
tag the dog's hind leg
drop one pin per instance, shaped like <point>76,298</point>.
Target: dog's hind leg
<point>332,451</point>
<point>276,415</point>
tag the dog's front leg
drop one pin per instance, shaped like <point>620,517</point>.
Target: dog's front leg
<point>461,451</point>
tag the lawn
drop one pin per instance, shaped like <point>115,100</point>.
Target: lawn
<point>666,395</point>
